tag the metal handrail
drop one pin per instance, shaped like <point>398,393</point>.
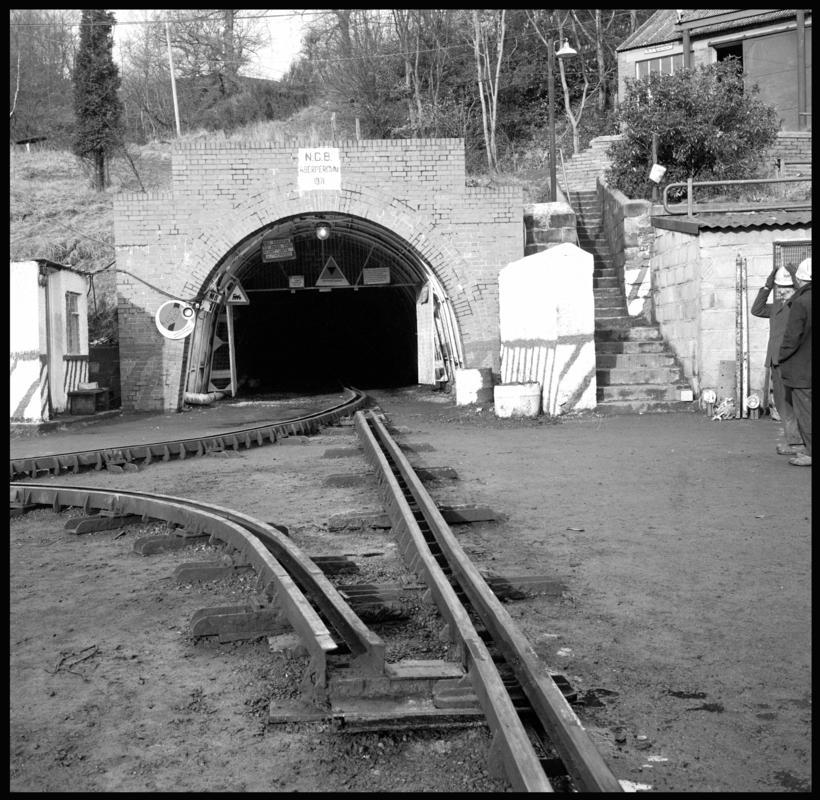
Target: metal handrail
<point>690,184</point>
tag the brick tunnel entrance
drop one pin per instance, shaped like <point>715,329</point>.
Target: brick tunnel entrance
<point>317,299</point>
<point>411,267</point>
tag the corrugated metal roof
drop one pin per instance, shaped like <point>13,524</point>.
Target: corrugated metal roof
<point>753,219</point>
<point>661,27</point>
<point>749,220</point>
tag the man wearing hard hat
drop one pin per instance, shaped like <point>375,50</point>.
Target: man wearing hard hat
<point>794,358</point>
<point>777,312</point>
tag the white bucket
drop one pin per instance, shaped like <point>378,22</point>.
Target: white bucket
<point>517,399</point>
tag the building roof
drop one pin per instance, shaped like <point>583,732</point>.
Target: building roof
<point>664,25</point>
<point>733,221</point>
<point>45,262</point>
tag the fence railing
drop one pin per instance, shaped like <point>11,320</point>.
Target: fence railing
<point>690,207</point>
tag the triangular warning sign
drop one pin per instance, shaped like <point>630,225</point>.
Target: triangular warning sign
<point>237,297</point>
<point>332,275</point>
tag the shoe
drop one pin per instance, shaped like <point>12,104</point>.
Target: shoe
<point>801,460</point>
<point>789,449</point>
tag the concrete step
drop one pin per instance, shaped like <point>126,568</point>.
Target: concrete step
<point>608,296</point>
<point>633,361</point>
<point>605,283</point>
<point>613,407</point>
<point>623,347</point>
<point>641,392</point>
<point>611,315</point>
<point>623,376</point>
<point>630,332</point>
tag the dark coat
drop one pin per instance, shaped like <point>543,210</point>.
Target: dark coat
<point>778,314</point>
<point>795,350</point>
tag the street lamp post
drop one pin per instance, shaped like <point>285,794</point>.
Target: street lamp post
<point>565,51</point>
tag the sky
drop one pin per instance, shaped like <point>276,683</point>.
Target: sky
<point>284,27</point>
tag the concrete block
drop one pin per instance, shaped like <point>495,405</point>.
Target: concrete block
<point>517,399</point>
<point>473,386</point>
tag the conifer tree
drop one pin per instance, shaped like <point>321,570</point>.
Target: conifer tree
<point>97,106</point>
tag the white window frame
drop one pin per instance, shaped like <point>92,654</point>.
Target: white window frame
<point>72,323</point>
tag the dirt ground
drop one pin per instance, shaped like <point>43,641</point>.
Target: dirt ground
<point>684,545</point>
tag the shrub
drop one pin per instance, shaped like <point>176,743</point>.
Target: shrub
<point>710,126</point>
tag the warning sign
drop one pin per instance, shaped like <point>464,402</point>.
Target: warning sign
<point>277,250</point>
<point>375,275</point>
<point>332,275</point>
<point>238,297</point>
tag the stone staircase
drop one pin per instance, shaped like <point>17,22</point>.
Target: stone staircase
<point>636,370</point>
<point>582,169</point>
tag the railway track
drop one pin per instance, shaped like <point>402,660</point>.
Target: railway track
<point>144,454</point>
<point>537,740</point>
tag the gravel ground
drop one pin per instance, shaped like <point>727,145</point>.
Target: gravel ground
<point>683,544</point>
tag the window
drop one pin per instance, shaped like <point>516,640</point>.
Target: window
<point>666,65</point>
<point>72,322</point>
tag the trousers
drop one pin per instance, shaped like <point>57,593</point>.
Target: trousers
<point>783,404</point>
<point>800,398</point>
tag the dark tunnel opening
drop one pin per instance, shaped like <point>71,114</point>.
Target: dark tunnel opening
<point>312,340</point>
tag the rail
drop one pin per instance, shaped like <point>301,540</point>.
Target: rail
<point>566,734</point>
<point>32,466</point>
<point>691,209</point>
<point>254,539</point>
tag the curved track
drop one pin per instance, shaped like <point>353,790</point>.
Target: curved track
<point>144,454</point>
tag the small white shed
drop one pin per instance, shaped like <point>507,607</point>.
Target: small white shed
<point>547,319</point>
<point>48,337</point>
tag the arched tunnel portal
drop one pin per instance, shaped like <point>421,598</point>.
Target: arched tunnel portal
<point>319,298</point>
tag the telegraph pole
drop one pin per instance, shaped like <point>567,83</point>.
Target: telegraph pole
<point>173,81</point>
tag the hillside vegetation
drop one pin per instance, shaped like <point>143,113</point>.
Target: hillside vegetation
<point>56,214</point>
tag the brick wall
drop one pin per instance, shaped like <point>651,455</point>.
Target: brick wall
<point>224,191</point>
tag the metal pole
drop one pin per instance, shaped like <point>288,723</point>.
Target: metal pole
<point>738,336</point>
<point>173,81</point>
<point>654,161</point>
<point>801,72</point>
<point>551,103</point>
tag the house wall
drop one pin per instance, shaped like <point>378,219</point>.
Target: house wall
<point>779,91</point>
<point>65,371</point>
<point>694,291</point>
<point>28,374</point>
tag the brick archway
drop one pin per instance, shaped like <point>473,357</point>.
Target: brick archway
<point>209,252</point>
<point>223,193</point>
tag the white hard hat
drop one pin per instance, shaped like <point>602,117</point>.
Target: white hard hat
<point>804,270</point>
<point>783,277</point>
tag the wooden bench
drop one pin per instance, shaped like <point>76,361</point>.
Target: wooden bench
<point>88,401</point>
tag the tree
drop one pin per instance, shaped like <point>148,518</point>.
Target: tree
<point>488,47</point>
<point>42,48</point>
<point>214,43</point>
<point>97,107</point>
<point>709,126</point>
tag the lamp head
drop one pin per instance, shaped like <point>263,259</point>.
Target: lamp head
<point>566,50</point>
<point>322,231</point>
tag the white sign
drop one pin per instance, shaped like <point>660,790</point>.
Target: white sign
<point>238,297</point>
<point>375,275</point>
<point>296,281</point>
<point>332,275</point>
<point>175,319</point>
<point>319,168</point>
<point>656,173</point>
